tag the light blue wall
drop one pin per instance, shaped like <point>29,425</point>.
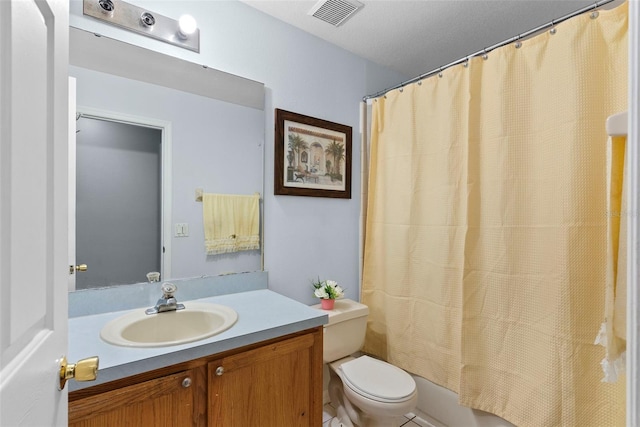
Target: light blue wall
<point>305,237</point>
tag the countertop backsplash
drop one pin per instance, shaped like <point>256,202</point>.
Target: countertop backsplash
<point>125,297</point>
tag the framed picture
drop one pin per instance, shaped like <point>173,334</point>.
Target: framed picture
<point>312,157</point>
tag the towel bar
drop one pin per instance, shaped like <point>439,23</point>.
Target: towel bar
<point>200,192</point>
<point>617,124</point>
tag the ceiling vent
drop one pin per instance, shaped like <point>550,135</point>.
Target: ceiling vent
<point>335,12</point>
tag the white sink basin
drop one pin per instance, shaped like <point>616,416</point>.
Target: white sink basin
<point>195,322</point>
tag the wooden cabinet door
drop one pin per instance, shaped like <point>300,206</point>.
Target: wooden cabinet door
<point>276,385</point>
<point>170,401</point>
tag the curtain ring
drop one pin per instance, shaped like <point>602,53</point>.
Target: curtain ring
<point>553,30</point>
<point>465,64</point>
<point>440,73</point>
<point>595,12</point>
<point>401,89</point>
<point>485,56</point>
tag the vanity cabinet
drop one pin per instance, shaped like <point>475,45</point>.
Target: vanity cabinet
<point>273,383</point>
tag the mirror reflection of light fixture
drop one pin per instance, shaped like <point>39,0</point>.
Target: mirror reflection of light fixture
<point>183,32</point>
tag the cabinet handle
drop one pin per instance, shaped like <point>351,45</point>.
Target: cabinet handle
<point>219,371</point>
<point>186,383</point>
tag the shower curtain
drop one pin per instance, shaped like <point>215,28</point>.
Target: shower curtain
<point>486,227</point>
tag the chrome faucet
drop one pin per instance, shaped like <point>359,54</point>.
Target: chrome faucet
<point>168,302</point>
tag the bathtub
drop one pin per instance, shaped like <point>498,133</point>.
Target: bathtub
<point>440,407</point>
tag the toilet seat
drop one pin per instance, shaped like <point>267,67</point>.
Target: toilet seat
<point>378,380</point>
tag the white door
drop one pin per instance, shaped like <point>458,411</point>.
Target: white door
<point>33,210</point>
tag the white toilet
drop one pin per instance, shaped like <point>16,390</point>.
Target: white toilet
<point>366,392</point>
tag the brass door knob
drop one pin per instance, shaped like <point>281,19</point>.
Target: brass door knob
<point>84,370</point>
<point>74,268</point>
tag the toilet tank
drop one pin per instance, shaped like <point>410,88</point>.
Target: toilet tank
<point>344,334</point>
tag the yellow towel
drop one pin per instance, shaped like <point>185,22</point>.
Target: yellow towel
<point>231,222</point>
<point>612,333</point>
<point>620,300</point>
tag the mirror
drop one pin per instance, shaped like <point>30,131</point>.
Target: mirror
<point>212,138</point>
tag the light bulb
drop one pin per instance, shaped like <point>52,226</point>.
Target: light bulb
<point>187,25</point>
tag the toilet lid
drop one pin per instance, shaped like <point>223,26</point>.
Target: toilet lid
<point>377,379</point>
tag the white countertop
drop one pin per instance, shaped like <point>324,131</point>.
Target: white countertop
<point>262,315</point>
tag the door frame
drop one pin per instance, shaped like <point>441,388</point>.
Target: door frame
<point>166,184</point>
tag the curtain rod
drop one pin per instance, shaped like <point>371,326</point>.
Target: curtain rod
<point>485,51</point>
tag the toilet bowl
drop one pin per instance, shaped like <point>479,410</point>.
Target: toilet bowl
<point>365,391</point>
<point>377,391</point>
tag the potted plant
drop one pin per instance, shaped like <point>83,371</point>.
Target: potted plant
<point>328,291</point>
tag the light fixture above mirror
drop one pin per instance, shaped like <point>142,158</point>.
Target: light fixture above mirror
<point>183,32</point>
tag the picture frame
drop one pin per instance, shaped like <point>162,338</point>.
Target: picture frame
<point>312,156</point>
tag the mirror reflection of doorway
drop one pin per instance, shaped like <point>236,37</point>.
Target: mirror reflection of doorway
<point>118,202</point>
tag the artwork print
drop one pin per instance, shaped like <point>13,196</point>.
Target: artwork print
<point>313,157</point>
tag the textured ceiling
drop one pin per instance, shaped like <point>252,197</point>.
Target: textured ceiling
<point>414,37</point>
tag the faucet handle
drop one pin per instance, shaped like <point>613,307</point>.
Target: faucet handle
<point>168,289</point>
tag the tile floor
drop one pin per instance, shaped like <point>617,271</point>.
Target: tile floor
<point>413,419</point>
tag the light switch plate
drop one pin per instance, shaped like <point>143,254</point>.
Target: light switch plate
<point>181,229</point>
